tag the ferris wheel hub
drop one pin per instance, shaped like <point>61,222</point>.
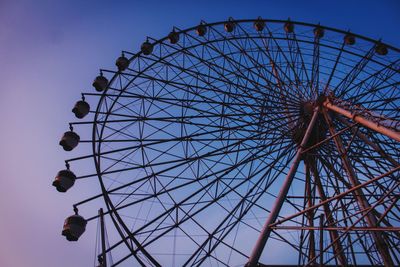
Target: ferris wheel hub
<point>305,113</point>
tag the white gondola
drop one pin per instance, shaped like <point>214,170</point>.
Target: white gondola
<point>100,83</point>
<point>69,140</point>
<point>74,227</point>
<point>64,180</point>
<point>81,109</point>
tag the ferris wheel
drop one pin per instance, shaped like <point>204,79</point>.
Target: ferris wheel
<point>241,143</point>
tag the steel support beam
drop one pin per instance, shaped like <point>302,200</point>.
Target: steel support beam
<point>362,201</point>
<point>321,240</point>
<point>337,245</point>
<point>266,231</point>
<point>103,262</point>
<point>332,229</point>
<point>310,214</point>
<point>363,121</point>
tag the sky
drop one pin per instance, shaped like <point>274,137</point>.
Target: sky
<point>49,53</point>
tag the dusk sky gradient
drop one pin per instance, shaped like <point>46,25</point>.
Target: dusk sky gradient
<point>50,51</point>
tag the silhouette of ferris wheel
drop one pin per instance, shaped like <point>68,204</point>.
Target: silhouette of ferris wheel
<point>242,142</point>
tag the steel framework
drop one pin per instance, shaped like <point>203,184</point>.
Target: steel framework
<point>247,142</point>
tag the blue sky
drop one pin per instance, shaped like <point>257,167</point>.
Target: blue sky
<point>49,53</point>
